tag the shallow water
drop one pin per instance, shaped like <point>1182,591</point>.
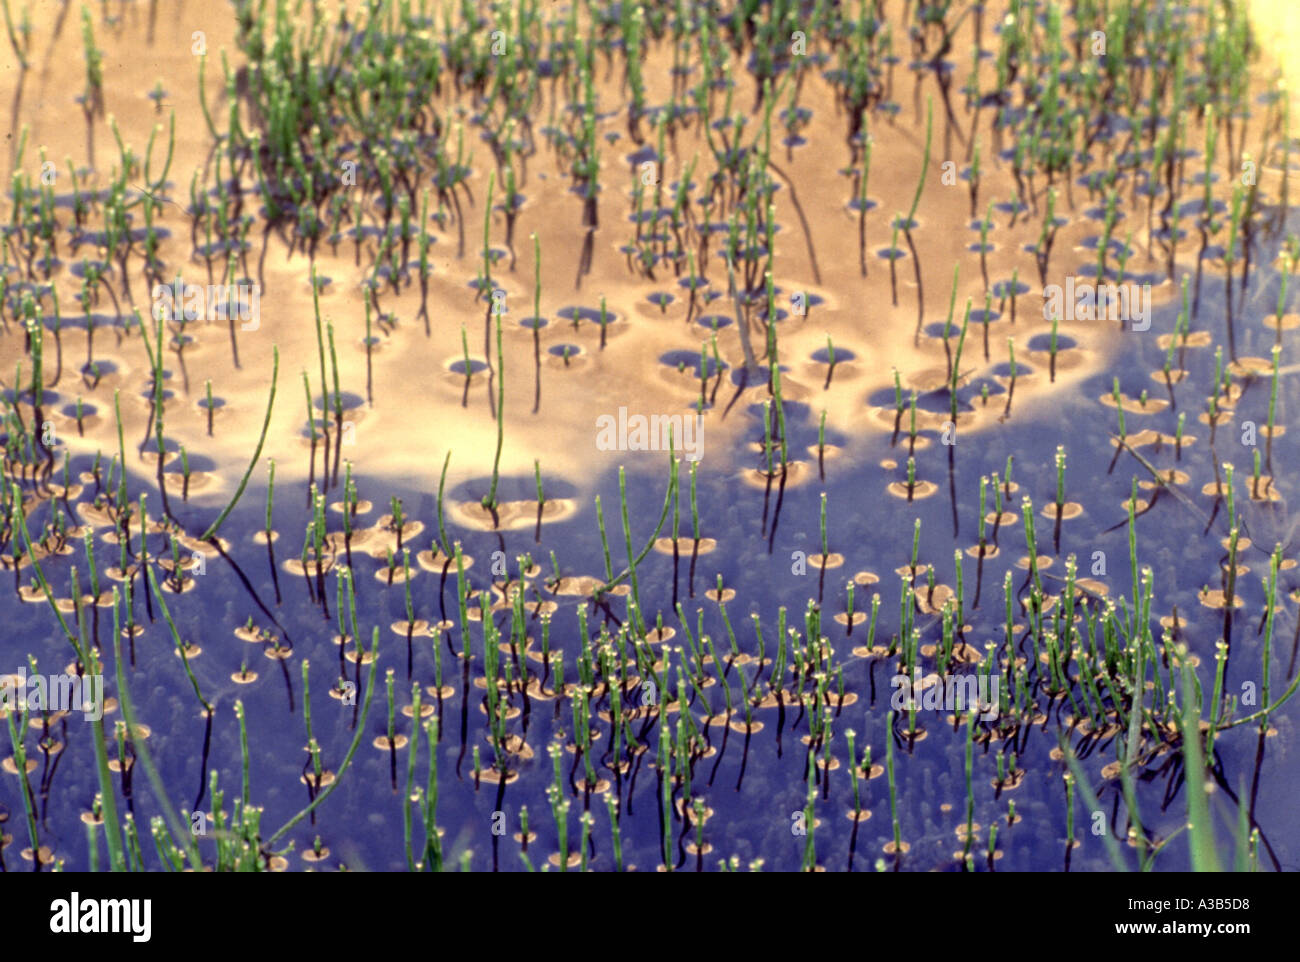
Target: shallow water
<point>407,406</point>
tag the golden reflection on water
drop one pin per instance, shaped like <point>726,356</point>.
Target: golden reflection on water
<point>421,409</point>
